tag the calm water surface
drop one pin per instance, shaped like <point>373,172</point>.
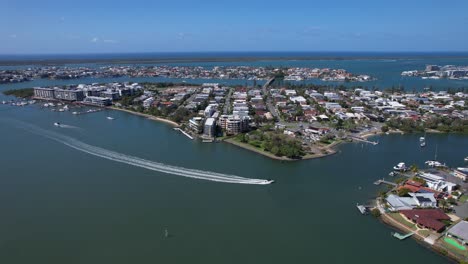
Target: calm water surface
<point>60,205</point>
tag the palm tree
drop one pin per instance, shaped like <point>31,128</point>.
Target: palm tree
<point>443,203</point>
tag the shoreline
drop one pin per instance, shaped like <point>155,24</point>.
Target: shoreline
<point>248,147</point>
<point>392,223</point>
<point>147,116</point>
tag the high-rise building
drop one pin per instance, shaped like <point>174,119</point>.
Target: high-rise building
<point>210,128</point>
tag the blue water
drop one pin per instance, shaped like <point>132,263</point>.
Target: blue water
<point>386,67</point>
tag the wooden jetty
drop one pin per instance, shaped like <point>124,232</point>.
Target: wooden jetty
<point>183,132</point>
<point>364,140</point>
<point>378,182</point>
<point>401,236</point>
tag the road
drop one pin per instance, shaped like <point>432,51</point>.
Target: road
<point>271,108</point>
<point>227,101</point>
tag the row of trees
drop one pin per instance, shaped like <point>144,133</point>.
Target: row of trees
<point>21,93</point>
<point>443,124</point>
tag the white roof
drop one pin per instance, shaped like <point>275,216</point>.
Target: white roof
<point>460,230</point>
<point>401,203</point>
<point>209,121</point>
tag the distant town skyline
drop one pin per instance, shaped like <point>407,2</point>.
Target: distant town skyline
<point>54,27</point>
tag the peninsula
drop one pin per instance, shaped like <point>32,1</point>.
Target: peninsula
<point>280,121</point>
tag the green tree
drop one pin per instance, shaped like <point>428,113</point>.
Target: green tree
<point>414,168</point>
<point>375,212</point>
<point>403,192</point>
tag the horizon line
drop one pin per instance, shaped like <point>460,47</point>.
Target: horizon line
<point>234,51</point>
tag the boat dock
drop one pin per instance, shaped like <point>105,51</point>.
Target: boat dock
<point>378,182</point>
<point>183,132</point>
<point>364,140</point>
<point>400,236</point>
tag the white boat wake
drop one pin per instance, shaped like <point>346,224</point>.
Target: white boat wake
<point>142,163</point>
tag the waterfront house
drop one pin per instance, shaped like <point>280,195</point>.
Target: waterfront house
<point>427,218</point>
<point>422,200</point>
<point>459,232</point>
<point>461,173</point>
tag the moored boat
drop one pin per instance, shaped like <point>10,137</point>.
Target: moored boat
<point>400,167</point>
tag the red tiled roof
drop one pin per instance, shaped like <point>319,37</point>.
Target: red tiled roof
<point>429,218</point>
<point>410,187</point>
<point>414,183</point>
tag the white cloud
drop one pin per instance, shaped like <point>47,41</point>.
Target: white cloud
<point>95,39</point>
<point>62,19</point>
<point>13,36</point>
<point>110,41</point>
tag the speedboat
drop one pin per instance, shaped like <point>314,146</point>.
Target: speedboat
<point>423,144</point>
<point>57,124</point>
<point>400,167</point>
<point>110,118</point>
<point>265,182</point>
<point>422,139</point>
<point>466,158</point>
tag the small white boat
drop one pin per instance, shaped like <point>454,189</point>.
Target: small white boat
<point>57,124</point>
<point>75,113</point>
<point>361,209</point>
<point>400,167</point>
<point>422,139</point>
<point>434,164</point>
<point>110,118</point>
<point>423,144</point>
<point>466,158</point>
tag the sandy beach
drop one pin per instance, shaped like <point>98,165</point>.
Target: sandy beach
<point>159,119</point>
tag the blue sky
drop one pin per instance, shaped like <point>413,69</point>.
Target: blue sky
<point>165,26</point>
